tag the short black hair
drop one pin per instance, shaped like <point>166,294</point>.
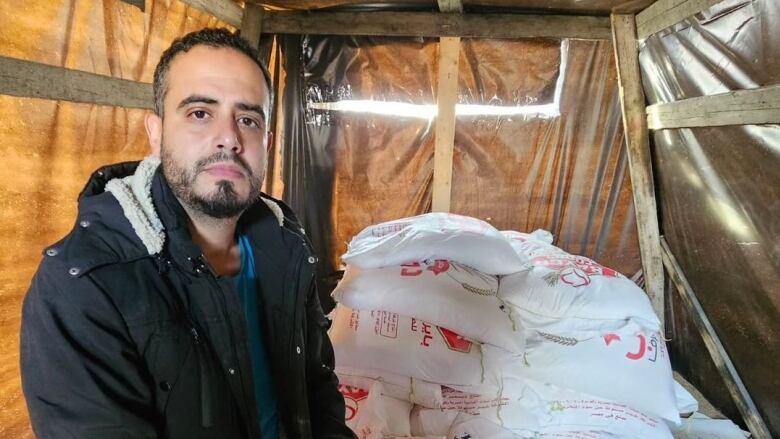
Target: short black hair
<point>211,37</point>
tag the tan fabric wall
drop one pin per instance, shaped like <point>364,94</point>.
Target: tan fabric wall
<point>49,148</point>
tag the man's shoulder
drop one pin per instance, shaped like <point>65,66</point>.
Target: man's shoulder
<point>100,236</point>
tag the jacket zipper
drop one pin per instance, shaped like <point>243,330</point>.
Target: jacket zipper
<point>202,267</point>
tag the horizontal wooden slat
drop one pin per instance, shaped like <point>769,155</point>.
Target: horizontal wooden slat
<point>434,24</point>
<point>225,10</point>
<point>665,13</point>
<point>714,346</point>
<point>743,107</point>
<point>35,80</point>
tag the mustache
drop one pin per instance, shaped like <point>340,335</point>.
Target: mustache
<point>221,157</point>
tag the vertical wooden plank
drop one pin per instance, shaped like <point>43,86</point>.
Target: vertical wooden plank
<point>718,353</point>
<point>276,183</point>
<point>632,102</point>
<point>450,6</point>
<point>447,95</point>
<point>228,11</point>
<point>251,23</point>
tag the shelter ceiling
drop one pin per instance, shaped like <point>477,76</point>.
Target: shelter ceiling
<point>584,7</point>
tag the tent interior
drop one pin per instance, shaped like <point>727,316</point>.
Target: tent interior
<point>521,126</point>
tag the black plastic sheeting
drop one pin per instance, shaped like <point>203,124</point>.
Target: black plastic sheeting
<point>719,197</point>
<point>538,143</point>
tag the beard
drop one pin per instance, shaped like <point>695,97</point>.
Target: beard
<point>222,201</point>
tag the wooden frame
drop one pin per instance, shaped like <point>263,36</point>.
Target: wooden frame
<point>665,13</point>
<point>435,24</point>
<point>718,353</point>
<point>632,102</point>
<point>742,107</point>
<point>447,96</point>
<point>35,80</point>
<point>225,10</point>
<point>251,24</point>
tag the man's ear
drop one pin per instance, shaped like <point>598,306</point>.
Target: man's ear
<point>153,124</point>
<point>270,143</point>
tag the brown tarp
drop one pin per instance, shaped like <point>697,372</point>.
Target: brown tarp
<point>49,148</point>
<point>719,195</point>
<point>566,173</point>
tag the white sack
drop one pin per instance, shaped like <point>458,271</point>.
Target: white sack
<point>542,408</point>
<point>385,341</point>
<point>396,386</point>
<point>445,293</point>
<point>472,427</point>
<point>371,415</point>
<point>434,236</point>
<point>686,403</point>
<point>564,292</point>
<point>630,366</point>
<point>700,426</point>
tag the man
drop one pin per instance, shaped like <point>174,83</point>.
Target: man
<point>182,304</point>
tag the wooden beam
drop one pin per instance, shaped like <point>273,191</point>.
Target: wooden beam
<point>251,24</point>
<point>632,102</point>
<point>664,13</point>
<point>435,24</point>
<point>446,98</point>
<point>718,353</point>
<point>742,107</point>
<point>35,80</point>
<point>451,6</point>
<point>225,10</point>
<point>276,180</point>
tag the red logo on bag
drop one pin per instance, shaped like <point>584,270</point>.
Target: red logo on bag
<point>455,341</point>
<point>574,270</point>
<point>439,266</point>
<point>411,269</point>
<point>643,350</point>
<point>351,397</point>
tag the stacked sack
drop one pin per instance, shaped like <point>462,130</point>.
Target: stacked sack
<point>452,325</point>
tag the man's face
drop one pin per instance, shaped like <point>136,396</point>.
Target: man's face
<point>213,137</point>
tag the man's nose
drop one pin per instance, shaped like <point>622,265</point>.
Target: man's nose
<point>229,136</point>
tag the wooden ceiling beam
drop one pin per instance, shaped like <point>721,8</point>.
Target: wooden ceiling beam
<point>435,24</point>
<point>665,13</point>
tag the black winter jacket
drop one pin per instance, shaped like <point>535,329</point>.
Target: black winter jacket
<point>127,333</point>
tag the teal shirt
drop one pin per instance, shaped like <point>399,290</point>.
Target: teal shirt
<point>246,285</point>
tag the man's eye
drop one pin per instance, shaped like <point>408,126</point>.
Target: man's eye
<point>249,122</point>
<point>199,114</point>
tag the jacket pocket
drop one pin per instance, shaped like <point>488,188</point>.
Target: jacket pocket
<point>168,351</point>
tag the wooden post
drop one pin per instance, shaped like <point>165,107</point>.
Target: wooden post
<point>447,96</point>
<point>251,23</point>
<point>632,102</point>
<point>225,10</point>
<point>718,353</point>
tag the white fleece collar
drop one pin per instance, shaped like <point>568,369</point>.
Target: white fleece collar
<point>134,194</point>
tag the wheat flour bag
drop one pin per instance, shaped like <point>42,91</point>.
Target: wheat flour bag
<point>371,415</point>
<point>568,292</point>
<point>629,366</point>
<point>386,341</point>
<point>541,408</point>
<point>445,293</point>
<point>409,389</point>
<point>434,236</point>
<point>468,426</point>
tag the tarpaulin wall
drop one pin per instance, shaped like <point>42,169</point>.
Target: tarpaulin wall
<point>719,194</point>
<point>538,142</point>
<point>49,148</point>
